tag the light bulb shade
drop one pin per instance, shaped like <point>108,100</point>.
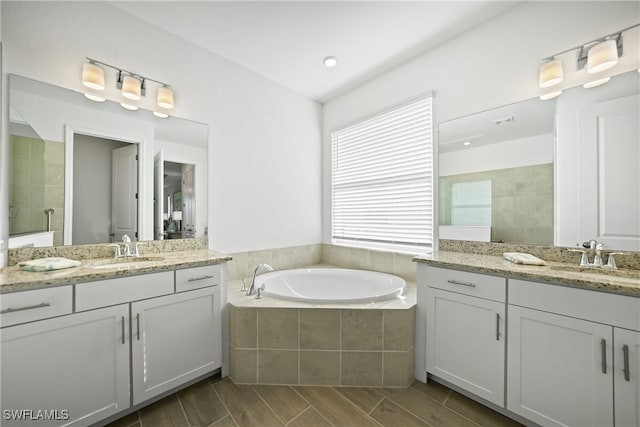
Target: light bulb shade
<point>165,97</point>
<point>602,56</point>
<point>92,76</point>
<point>131,87</point>
<point>550,73</point>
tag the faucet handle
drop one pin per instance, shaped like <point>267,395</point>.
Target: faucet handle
<point>584,261</point>
<point>611,262</point>
<point>259,290</point>
<point>117,253</point>
<point>136,251</point>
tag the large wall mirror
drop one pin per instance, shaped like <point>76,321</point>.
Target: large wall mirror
<point>553,172</point>
<point>90,172</point>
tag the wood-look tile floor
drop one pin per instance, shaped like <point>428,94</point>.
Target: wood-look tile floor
<point>221,403</point>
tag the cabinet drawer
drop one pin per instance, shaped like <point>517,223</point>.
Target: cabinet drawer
<point>27,306</point>
<point>198,277</point>
<point>463,282</point>
<point>602,307</point>
<point>117,291</point>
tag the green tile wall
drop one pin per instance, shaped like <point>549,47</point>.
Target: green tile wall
<point>521,199</point>
<point>36,183</point>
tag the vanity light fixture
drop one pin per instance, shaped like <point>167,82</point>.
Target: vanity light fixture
<point>596,56</point>
<point>132,85</point>
<point>550,73</point>
<point>604,55</point>
<point>330,61</point>
<point>92,76</point>
<point>165,97</point>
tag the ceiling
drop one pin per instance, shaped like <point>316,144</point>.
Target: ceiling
<point>286,41</point>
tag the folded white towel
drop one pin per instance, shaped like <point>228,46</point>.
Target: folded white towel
<point>48,264</point>
<point>522,258</point>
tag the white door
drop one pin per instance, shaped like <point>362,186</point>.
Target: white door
<point>158,195</point>
<point>175,338</point>
<point>78,363</point>
<point>466,342</point>
<point>609,200</point>
<point>124,190</point>
<point>626,355</point>
<point>188,201</point>
<point>559,369</point>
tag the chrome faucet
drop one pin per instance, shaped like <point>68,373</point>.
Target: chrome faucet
<point>596,247</point>
<point>252,287</point>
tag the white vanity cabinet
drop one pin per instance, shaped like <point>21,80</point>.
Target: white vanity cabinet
<point>74,367</point>
<point>175,338</point>
<point>92,350</point>
<point>566,356</point>
<point>465,328</point>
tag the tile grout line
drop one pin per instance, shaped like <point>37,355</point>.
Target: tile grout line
<point>184,413</point>
<point>222,401</point>
<point>310,406</point>
<point>253,388</point>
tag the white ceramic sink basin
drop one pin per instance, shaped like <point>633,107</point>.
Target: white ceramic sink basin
<point>128,262</point>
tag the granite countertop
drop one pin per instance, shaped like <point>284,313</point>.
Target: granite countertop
<point>12,279</point>
<point>626,282</point>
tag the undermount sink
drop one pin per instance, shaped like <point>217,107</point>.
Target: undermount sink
<point>632,274</point>
<point>125,262</point>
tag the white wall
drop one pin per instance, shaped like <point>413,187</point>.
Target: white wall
<point>534,150</point>
<point>489,66</point>
<point>264,140</point>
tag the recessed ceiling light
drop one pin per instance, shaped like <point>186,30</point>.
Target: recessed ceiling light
<point>466,143</point>
<point>161,115</point>
<point>128,106</point>
<point>94,97</point>
<point>330,61</point>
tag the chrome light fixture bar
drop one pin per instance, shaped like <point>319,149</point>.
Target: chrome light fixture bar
<point>132,85</point>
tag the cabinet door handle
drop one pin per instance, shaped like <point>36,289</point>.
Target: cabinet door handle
<point>456,282</point>
<point>603,349</point>
<point>122,329</point>
<point>497,326</point>
<point>195,279</point>
<point>26,307</point>
<point>625,369</point>
<point>138,325</point>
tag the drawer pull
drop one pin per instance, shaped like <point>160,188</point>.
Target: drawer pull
<point>26,307</point>
<point>603,349</point>
<point>457,282</point>
<point>138,325</point>
<point>122,329</point>
<point>626,370</point>
<point>195,279</point>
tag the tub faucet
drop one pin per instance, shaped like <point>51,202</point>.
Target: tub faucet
<point>252,288</point>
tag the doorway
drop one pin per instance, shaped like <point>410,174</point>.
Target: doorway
<point>105,190</point>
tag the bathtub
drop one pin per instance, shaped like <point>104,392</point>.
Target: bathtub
<point>331,285</point>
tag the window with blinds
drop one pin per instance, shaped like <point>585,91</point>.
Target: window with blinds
<point>382,179</point>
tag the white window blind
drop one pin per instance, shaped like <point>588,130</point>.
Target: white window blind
<point>471,203</point>
<point>382,179</point>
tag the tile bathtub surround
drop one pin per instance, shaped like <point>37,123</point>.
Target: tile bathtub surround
<point>104,250</point>
<point>244,263</point>
<point>631,260</point>
<point>370,259</point>
<point>317,346</point>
